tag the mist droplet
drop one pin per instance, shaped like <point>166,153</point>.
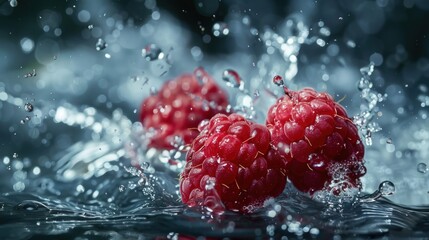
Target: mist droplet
<point>422,168</point>
<point>386,188</point>
<point>278,80</point>
<point>100,45</point>
<point>231,78</point>
<point>28,107</point>
<point>15,155</point>
<point>152,52</point>
<point>90,27</point>
<point>13,3</point>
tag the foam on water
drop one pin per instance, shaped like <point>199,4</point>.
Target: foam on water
<point>90,173</point>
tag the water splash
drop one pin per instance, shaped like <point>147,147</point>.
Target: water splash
<point>364,120</point>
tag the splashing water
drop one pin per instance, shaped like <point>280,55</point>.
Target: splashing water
<point>80,171</point>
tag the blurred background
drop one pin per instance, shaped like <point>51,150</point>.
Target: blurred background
<point>112,54</point>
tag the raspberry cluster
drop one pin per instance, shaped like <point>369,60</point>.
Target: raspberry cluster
<point>308,138</point>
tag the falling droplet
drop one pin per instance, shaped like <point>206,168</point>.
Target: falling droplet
<point>90,27</point>
<point>386,188</point>
<point>13,3</point>
<point>27,118</point>
<point>389,141</point>
<point>152,52</point>
<point>22,121</point>
<point>278,80</point>
<point>28,107</point>
<point>100,45</point>
<point>15,155</point>
<point>422,168</point>
<point>121,188</point>
<point>231,78</point>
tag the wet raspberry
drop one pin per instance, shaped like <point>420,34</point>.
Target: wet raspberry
<point>234,154</point>
<point>317,139</point>
<point>179,106</point>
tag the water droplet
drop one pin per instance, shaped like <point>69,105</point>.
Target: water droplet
<point>210,184</point>
<point>15,155</point>
<point>231,78</point>
<point>351,44</point>
<point>121,188</point>
<point>386,188</point>
<point>278,80</point>
<point>141,181</point>
<point>22,121</point>
<point>220,29</point>
<point>389,141</point>
<point>100,45</point>
<point>13,3</point>
<point>256,93</point>
<point>152,52</point>
<point>31,74</point>
<point>145,165</point>
<point>28,107</point>
<point>422,168</point>
<point>340,18</point>
<point>27,118</point>
<point>90,27</point>
<point>153,91</point>
<point>131,185</point>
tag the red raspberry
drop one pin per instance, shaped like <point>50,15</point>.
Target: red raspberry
<point>180,106</point>
<point>317,139</point>
<point>236,155</point>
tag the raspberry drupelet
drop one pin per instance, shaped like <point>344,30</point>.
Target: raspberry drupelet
<point>317,139</point>
<point>179,106</point>
<point>236,155</point>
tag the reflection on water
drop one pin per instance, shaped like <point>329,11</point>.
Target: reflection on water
<point>74,162</point>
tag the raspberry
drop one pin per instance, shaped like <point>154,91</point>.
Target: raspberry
<point>235,154</point>
<point>180,106</point>
<point>317,139</point>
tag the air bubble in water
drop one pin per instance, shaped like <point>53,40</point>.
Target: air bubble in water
<point>422,168</point>
<point>386,188</point>
<point>231,78</point>
<point>220,29</point>
<point>28,107</point>
<point>278,80</point>
<point>121,188</point>
<point>152,52</point>
<point>13,3</point>
<point>100,45</point>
